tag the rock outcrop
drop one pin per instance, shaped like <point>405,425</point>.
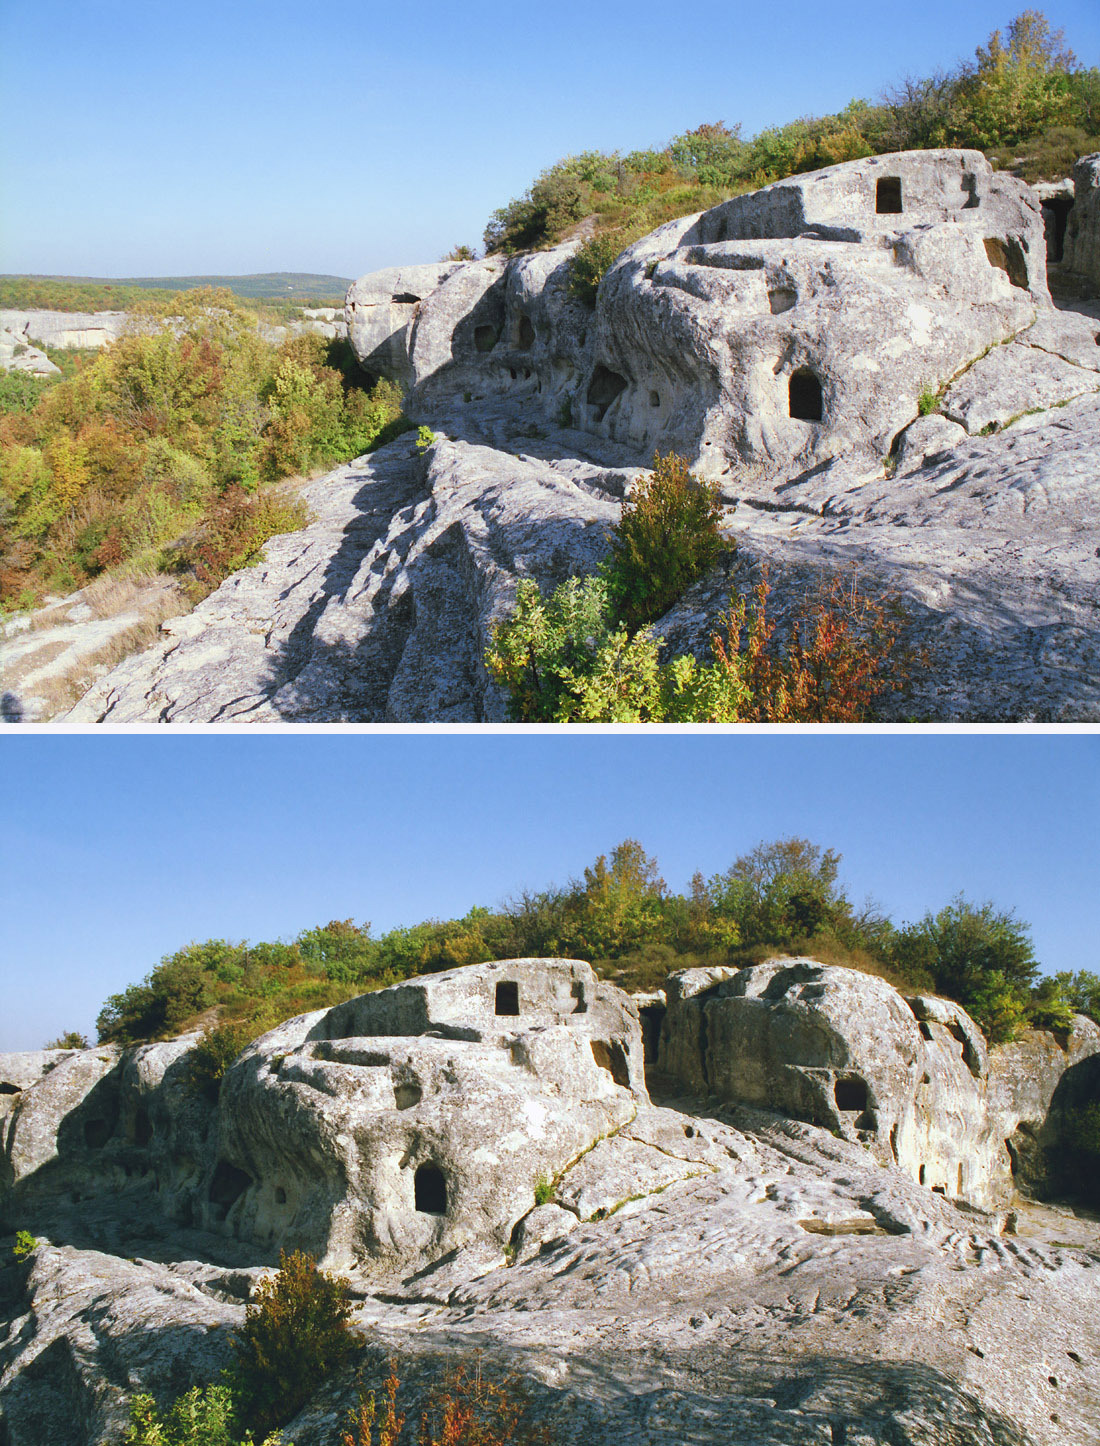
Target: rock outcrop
<point>788,327</point>
<point>910,1079</point>
<point>18,355</point>
<point>1081,251</point>
<point>89,330</point>
<point>479,1150</point>
<point>417,1121</point>
<point>881,392</point>
<point>66,329</point>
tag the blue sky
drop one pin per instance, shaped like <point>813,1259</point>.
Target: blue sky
<point>143,138</point>
<point>117,850</point>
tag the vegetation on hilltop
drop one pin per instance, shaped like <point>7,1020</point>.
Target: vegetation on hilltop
<point>781,897</point>
<point>1024,100</point>
<point>152,455</point>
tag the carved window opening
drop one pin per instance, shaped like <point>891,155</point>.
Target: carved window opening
<point>888,196</point>
<point>485,337</point>
<point>430,1190</point>
<point>143,1127</point>
<point>806,402</point>
<point>851,1094</point>
<point>526,338</point>
<point>507,997</point>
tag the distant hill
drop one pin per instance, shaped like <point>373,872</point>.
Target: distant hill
<point>267,286</point>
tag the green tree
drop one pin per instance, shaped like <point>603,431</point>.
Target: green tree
<point>978,954</point>
<point>667,537</point>
<point>783,891</point>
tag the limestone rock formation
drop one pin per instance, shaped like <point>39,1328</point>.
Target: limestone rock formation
<point>790,326</point>
<point>881,392</point>
<point>90,330</point>
<point>18,355</point>
<point>1081,255</point>
<point>479,1150</point>
<point>911,1079</point>
<point>417,1121</point>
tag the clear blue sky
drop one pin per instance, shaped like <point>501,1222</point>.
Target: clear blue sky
<point>142,138</point>
<point>115,851</point>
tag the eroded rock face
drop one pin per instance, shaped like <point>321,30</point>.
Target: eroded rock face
<point>911,1079</point>
<point>790,326</point>
<point>478,1150</point>
<point>1081,254</point>
<point>418,1120</point>
<point>18,355</point>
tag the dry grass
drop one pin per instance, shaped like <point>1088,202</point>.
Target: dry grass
<point>108,597</point>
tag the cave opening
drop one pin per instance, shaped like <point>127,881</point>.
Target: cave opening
<point>888,196</point>
<point>806,402</point>
<point>507,997</point>
<point>430,1190</point>
<point>604,388</point>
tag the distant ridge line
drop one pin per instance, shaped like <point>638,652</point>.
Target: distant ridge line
<point>261,285</point>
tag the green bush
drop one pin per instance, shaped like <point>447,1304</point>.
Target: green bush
<point>564,660</point>
<point>297,1332</point>
<point>200,1417</point>
<point>215,1052</point>
<point>1080,992</point>
<point>25,1245</point>
<point>591,262</point>
<point>71,1039</point>
<point>667,537</point>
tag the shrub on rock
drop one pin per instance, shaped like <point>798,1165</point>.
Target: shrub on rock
<point>297,1331</point>
<point>666,539</point>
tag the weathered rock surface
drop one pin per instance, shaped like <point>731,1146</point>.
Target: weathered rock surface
<point>952,464</point>
<point>66,329</point>
<point>911,1079</point>
<point>92,329</point>
<point>1081,255</point>
<point>18,355</point>
<point>694,1272</point>
<point>415,1122</point>
<point>382,609</point>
